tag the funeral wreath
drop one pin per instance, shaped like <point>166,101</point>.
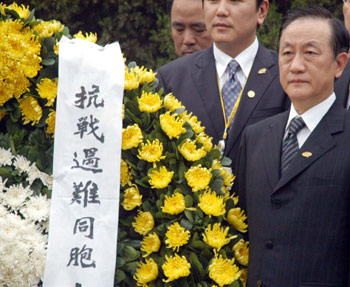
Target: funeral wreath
<point>179,225</point>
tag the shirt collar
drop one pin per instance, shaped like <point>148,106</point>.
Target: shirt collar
<point>312,116</point>
<point>245,59</point>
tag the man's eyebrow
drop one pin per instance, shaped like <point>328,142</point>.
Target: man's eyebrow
<point>177,24</point>
<point>198,25</point>
<point>310,43</point>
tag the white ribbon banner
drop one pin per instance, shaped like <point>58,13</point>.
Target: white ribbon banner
<point>85,199</point>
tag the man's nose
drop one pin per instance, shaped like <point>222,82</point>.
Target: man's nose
<point>189,38</point>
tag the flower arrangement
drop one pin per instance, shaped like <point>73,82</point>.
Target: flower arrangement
<point>24,214</point>
<point>28,89</point>
<point>179,225</point>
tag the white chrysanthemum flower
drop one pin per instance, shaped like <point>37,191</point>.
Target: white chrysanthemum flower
<point>5,157</point>
<point>22,164</point>
<point>16,195</point>
<point>47,180</point>
<point>33,174</point>
<point>23,251</point>
<point>37,208</point>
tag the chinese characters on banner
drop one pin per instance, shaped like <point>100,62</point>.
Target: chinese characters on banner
<point>85,199</point>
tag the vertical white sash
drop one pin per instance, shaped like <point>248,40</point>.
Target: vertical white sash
<point>85,199</point>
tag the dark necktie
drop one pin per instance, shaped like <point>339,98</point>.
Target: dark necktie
<point>290,144</point>
<point>231,89</point>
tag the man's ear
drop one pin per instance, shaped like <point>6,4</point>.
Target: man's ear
<point>341,61</point>
<point>262,11</point>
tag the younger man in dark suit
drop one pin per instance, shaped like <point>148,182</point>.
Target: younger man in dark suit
<point>294,168</point>
<point>209,86</point>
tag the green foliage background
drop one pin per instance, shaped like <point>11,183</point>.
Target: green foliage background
<point>142,27</point>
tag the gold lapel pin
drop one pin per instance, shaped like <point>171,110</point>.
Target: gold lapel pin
<point>262,71</point>
<point>251,94</point>
<point>306,154</point>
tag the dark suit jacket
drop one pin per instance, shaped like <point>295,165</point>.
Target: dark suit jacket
<point>193,80</point>
<point>341,87</point>
<point>299,223</point>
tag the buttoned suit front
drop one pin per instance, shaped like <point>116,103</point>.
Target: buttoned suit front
<point>193,80</point>
<point>299,222</point>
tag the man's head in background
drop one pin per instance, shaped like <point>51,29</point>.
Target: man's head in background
<point>188,28</point>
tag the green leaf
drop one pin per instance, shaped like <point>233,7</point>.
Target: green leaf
<point>48,61</point>
<point>119,275</point>
<point>186,224</point>
<point>4,172</point>
<point>120,262</point>
<point>217,185</point>
<point>129,253</point>
<point>189,215</point>
<point>225,161</point>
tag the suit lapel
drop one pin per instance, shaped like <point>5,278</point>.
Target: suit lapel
<point>261,75</point>
<point>205,77</point>
<point>319,142</point>
<point>272,147</point>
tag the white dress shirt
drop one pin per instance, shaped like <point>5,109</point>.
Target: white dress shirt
<point>311,117</point>
<point>245,60</point>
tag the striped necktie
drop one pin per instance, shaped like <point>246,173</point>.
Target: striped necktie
<point>290,144</point>
<point>231,89</point>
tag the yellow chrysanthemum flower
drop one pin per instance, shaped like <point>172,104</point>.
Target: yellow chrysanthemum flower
<point>47,89</point>
<point>31,110</point>
<point>160,178</point>
<point>177,236</point>
<point>56,48</point>
<point>149,102</point>
<point>189,150</point>
<point>123,111</point>
<point>125,173</point>
<point>51,122</point>
<point>151,151</point>
<point>22,10</point>
<point>171,103</point>
<point>244,276</point>
<point>241,250</point>
<point>131,81</point>
<point>19,59</point>
<point>150,244</point>
<point>47,29</point>
<point>174,204</point>
<point>211,204</point>
<point>198,177</point>
<point>228,176</point>
<point>193,121</point>
<point>236,218</point>
<point>144,222</point>
<point>206,141</point>
<point>2,8</point>
<point>146,272</point>
<point>223,271</point>
<point>132,137</point>
<point>92,37</point>
<point>172,125</point>
<point>216,237</point>
<point>175,267</point>
<point>132,198</point>
<point>143,75</point>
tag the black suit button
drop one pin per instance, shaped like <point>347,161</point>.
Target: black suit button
<point>269,244</point>
<point>276,204</point>
<point>259,283</point>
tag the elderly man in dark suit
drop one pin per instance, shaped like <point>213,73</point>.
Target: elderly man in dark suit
<point>294,168</point>
<point>235,82</point>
